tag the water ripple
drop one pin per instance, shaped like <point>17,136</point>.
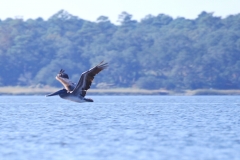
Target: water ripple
<point>123,127</point>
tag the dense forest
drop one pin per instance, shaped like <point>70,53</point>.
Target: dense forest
<point>156,52</point>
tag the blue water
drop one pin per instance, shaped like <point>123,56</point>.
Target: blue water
<point>120,128</point>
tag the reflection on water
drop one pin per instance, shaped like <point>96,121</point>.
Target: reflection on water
<point>120,127</point>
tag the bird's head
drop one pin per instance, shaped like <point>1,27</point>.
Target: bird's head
<point>60,93</point>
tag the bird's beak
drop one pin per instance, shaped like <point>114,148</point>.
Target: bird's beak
<point>62,91</point>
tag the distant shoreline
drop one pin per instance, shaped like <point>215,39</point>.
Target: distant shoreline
<point>18,90</point>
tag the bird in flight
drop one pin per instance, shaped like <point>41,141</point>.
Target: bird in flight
<point>76,92</point>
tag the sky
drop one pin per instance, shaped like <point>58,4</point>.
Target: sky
<point>92,9</point>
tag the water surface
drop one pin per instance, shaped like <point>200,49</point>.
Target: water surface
<point>120,127</point>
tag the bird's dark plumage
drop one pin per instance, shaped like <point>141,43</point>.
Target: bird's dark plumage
<point>86,79</point>
<point>62,74</point>
<point>77,92</point>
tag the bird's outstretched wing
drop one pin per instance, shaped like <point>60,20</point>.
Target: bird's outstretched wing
<point>86,79</point>
<point>64,79</point>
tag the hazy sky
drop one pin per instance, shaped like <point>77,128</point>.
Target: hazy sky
<point>92,9</point>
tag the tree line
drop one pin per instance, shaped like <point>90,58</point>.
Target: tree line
<point>156,52</point>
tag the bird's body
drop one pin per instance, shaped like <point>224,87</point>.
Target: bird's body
<point>74,98</point>
<point>76,92</point>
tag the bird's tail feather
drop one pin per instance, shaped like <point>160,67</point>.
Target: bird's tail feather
<point>88,99</point>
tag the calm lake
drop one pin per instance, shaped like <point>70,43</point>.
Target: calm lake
<point>120,128</point>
